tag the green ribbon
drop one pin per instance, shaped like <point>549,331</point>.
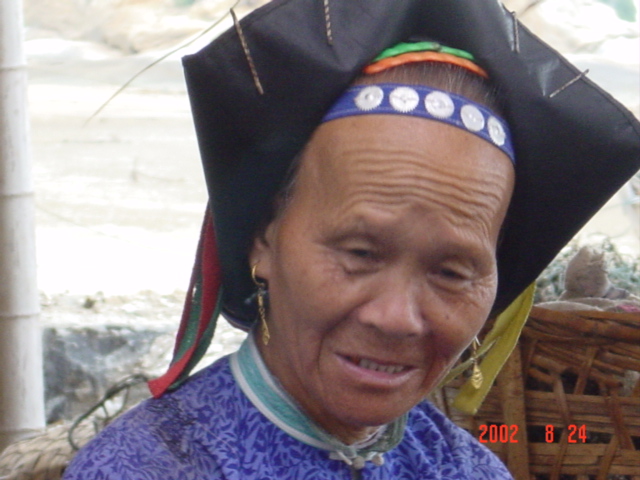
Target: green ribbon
<point>401,48</point>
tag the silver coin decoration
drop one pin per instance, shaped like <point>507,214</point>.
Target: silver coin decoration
<point>439,104</point>
<point>369,98</point>
<point>404,99</point>
<point>425,102</point>
<point>472,118</point>
<point>496,131</point>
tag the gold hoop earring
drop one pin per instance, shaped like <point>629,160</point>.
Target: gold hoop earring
<point>476,374</point>
<point>262,290</point>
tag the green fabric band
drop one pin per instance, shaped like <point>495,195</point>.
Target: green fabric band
<point>401,48</point>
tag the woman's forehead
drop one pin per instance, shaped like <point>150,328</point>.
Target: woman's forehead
<point>394,145</point>
<point>398,161</point>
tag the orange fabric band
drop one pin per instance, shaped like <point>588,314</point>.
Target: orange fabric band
<point>428,56</point>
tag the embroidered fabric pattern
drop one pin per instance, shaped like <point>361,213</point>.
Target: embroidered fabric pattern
<point>424,102</point>
<point>218,434</point>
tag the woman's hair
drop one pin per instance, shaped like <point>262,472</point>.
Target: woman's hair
<point>443,76</point>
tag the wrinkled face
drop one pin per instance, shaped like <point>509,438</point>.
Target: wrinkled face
<point>382,267</point>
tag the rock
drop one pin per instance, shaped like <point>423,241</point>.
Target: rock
<point>140,28</point>
<point>91,342</point>
<point>132,26</point>
<point>81,363</point>
<point>586,275</point>
<point>578,26</point>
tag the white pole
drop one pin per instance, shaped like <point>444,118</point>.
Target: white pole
<point>21,383</point>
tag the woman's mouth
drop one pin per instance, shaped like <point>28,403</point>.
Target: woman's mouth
<point>369,364</point>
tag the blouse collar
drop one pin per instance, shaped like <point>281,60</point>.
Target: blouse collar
<point>267,395</point>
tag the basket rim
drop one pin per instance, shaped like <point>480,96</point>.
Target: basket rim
<point>583,324</point>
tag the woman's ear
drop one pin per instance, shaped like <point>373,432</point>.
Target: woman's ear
<point>262,252</point>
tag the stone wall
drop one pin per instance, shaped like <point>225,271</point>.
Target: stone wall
<point>81,363</point>
<point>92,343</point>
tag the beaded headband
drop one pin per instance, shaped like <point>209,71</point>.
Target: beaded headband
<point>424,102</point>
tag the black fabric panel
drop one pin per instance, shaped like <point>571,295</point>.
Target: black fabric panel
<point>573,150</point>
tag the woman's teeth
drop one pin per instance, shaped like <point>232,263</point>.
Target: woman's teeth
<point>371,365</point>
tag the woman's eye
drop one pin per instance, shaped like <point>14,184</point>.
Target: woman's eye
<point>452,274</point>
<point>454,277</point>
<point>359,259</point>
<point>361,253</point>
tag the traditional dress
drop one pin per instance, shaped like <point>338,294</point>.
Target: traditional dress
<point>233,421</point>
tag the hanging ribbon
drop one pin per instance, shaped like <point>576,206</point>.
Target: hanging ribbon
<point>200,314</point>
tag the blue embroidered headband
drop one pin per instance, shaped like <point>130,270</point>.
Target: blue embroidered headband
<point>424,102</point>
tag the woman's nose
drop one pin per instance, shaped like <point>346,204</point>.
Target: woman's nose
<point>394,308</point>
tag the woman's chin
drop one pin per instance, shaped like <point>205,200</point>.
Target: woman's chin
<point>354,419</point>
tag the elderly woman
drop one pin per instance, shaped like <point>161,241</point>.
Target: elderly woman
<point>363,225</point>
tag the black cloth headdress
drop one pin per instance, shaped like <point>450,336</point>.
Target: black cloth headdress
<point>257,98</point>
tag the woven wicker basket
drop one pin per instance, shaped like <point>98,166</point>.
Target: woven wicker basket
<point>43,457</point>
<point>567,404</point>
